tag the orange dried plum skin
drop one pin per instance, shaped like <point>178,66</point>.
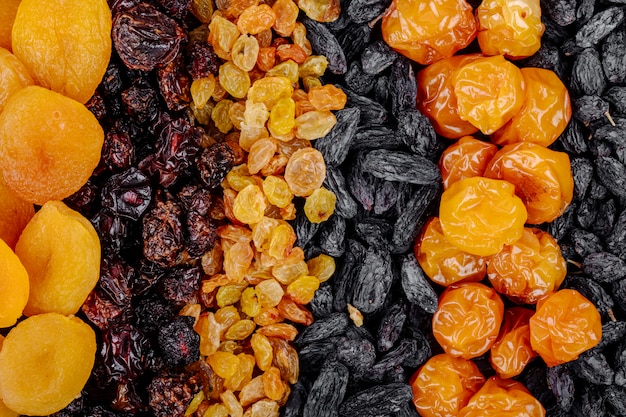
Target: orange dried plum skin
<point>542,178</point>
<point>512,351</point>
<point>15,213</point>
<point>528,269</point>
<point>544,115</point>
<point>444,263</point>
<point>466,158</point>
<point>510,28</point>
<point>503,398</point>
<point>564,325</point>
<point>13,76</point>
<point>427,31</point>
<point>489,92</point>
<point>13,286</point>
<point>481,215</point>
<point>75,66</point>
<point>479,308</point>
<point>436,98</point>
<point>49,144</point>
<point>444,385</point>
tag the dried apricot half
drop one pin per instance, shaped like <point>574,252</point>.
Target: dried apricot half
<point>15,213</point>
<point>60,249</point>
<point>65,44</point>
<point>49,144</point>
<point>7,17</point>
<point>13,76</point>
<point>45,362</point>
<point>13,286</point>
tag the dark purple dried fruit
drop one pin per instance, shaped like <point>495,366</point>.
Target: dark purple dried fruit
<point>325,43</point>
<point>170,395</point>
<point>327,391</point>
<point>377,401</point>
<point>214,162</point>
<point>163,234</point>
<point>123,352</point>
<point>178,342</point>
<point>202,60</point>
<point>127,194</point>
<point>599,26</point>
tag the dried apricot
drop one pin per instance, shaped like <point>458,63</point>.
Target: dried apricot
<point>49,144</point>
<point>7,17</point>
<point>14,215</point>
<point>60,249</point>
<point>65,45</point>
<point>45,362</point>
<point>13,76</point>
<point>13,286</point>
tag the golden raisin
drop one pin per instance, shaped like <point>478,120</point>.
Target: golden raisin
<point>305,171</point>
<point>327,97</point>
<point>256,19</point>
<point>320,205</point>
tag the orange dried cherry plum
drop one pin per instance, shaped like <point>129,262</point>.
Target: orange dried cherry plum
<point>305,171</point>
<point>14,286</point>
<point>489,91</point>
<point>545,113</point>
<point>564,325</point>
<point>7,17</point>
<point>444,385</point>
<point>65,45</point>
<point>467,321</point>
<point>466,158</point>
<point>541,176</point>
<point>13,76</point>
<point>15,213</point>
<point>45,362</point>
<point>512,351</point>
<point>427,31</point>
<point>444,263</point>
<point>509,28</point>
<point>60,249</point>
<point>502,398</point>
<point>49,144</point>
<point>436,98</point>
<point>480,215</point>
<point>327,97</point>
<point>529,268</point>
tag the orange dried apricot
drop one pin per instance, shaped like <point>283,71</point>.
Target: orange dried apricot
<point>60,249</point>
<point>542,178</point>
<point>480,215</point>
<point>502,398</point>
<point>7,17</point>
<point>427,31</point>
<point>443,262</point>
<point>65,45</point>
<point>13,286</point>
<point>564,325</point>
<point>529,268</point>
<point>49,144</point>
<point>512,351</point>
<point>45,362</point>
<point>489,91</point>
<point>467,321</point>
<point>15,213</point>
<point>466,158</point>
<point>544,115</point>
<point>444,385</point>
<point>13,76</point>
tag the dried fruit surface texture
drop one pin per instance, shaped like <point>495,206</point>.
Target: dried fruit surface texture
<point>61,252</point>
<point>49,144</point>
<point>13,76</point>
<point>14,215</point>
<point>45,362</point>
<point>13,286</point>
<point>66,45</point>
<point>7,17</point>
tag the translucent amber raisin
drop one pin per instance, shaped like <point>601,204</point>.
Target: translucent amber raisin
<point>240,330</point>
<point>237,259</point>
<point>321,10</point>
<point>305,171</point>
<point>327,97</point>
<point>250,302</point>
<point>542,178</point>
<point>202,9</point>
<point>427,31</point>
<point>287,69</point>
<point>545,112</point>
<point>273,385</point>
<point>234,80</point>
<point>322,266</point>
<point>220,116</point>
<point>282,118</point>
<point>13,286</point>
<point>282,241</point>
<point>13,76</point>
<point>510,28</point>
<point>255,115</point>
<point>66,46</point>
<point>224,364</point>
<point>564,325</point>
<point>294,312</point>
<point>436,98</point>
<point>7,17</point>
<point>529,268</point>
<point>45,362</point>
<point>466,158</point>
<point>262,351</point>
<point>314,66</point>
<point>270,292</point>
<point>489,91</point>
<point>502,397</point>
<point>467,321</point>
<point>256,19</point>
<point>303,289</point>
<point>291,52</point>
<point>314,124</point>
<point>444,385</point>
<point>249,205</point>
<point>252,392</point>
<point>49,144</point>
<point>512,351</point>
<point>269,90</point>
<point>288,272</point>
<point>60,249</point>
<point>286,15</point>
<point>231,403</point>
<point>443,262</point>
<point>202,90</point>
<point>228,295</point>
<point>266,58</point>
<point>222,35</point>
<point>320,205</point>
<point>245,52</point>
<point>216,410</point>
<point>261,152</point>
<point>481,215</point>
<point>15,213</point>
